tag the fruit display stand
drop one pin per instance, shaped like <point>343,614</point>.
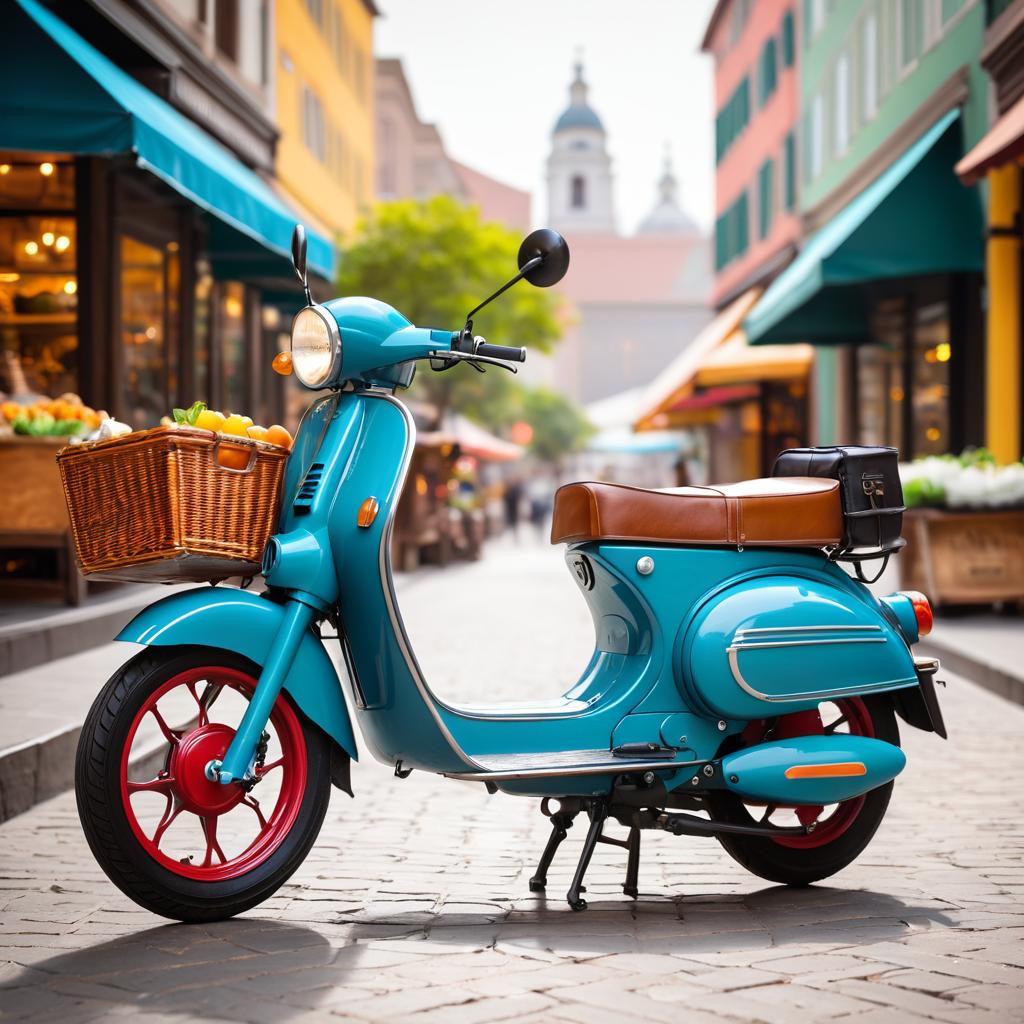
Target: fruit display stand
<point>34,524</point>
<point>964,557</point>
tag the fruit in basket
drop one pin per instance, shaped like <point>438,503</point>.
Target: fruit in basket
<point>257,433</point>
<point>233,456</point>
<point>235,425</point>
<point>279,436</point>
<point>210,419</point>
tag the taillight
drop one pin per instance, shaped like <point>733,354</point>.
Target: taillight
<point>922,611</point>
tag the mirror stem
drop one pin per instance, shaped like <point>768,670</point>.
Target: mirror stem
<point>525,269</point>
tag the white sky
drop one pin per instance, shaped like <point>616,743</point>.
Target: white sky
<point>494,76</point>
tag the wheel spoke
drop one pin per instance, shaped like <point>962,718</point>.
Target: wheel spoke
<point>171,811</point>
<point>270,767</point>
<point>829,729</point>
<point>768,812</point>
<point>251,801</point>
<point>163,783</point>
<point>212,846</point>
<point>210,694</point>
<point>169,734</point>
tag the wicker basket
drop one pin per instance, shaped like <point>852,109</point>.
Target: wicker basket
<point>156,507</point>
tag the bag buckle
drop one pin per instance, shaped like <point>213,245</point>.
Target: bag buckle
<point>873,485</point>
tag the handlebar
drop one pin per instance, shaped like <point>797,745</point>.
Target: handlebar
<point>507,352</point>
<point>466,342</point>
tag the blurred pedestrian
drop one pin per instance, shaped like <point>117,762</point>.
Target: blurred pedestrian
<point>513,501</point>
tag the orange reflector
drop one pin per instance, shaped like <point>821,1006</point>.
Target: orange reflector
<point>367,513</point>
<point>826,771</point>
<point>282,363</point>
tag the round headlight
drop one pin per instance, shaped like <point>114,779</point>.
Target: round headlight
<point>316,346</point>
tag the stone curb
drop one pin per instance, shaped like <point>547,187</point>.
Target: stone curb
<point>984,673</point>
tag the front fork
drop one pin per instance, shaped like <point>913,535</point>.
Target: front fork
<point>239,760</point>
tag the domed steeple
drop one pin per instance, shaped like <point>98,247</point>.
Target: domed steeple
<point>579,113</point>
<point>579,167</point>
<point>667,216</point>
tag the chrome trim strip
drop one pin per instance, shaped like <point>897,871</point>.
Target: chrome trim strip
<point>739,645</point>
<point>388,583</point>
<point>734,666</point>
<point>622,768</point>
<point>806,629</point>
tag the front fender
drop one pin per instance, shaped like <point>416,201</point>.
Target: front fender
<point>245,623</point>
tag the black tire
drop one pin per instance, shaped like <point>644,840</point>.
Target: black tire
<point>105,823</point>
<point>787,865</point>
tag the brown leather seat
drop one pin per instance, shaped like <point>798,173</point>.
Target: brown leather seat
<point>791,511</point>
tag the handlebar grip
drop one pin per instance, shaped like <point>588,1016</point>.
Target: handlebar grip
<point>507,352</point>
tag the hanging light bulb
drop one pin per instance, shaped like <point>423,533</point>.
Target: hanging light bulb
<point>46,169</point>
<point>70,287</point>
<point>49,238</point>
<point>62,243</point>
<point>5,168</point>
<point>32,248</point>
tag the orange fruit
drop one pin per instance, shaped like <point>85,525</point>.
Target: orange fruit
<point>258,433</point>
<point>236,425</point>
<point>210,419</point>
<point>233,456</point>
<point>278,435</point>
<point>247,420</point>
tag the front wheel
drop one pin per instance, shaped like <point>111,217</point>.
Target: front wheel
<point>841,830</point>
<point>176,843</point>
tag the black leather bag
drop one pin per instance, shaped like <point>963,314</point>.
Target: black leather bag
<point>869,482</point>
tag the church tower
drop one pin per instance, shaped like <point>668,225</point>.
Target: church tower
<point>579,168</point>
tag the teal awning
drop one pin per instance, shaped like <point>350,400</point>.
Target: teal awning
<point>916,218</point>
<point>58,94</point>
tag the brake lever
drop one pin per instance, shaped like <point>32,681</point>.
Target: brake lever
<point>444,359</point>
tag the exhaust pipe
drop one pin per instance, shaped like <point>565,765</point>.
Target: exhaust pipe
<point>812,769</point>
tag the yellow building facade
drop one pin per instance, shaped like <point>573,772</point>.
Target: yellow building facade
<point>324,99</point>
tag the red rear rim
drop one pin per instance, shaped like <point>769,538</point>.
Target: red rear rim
<point>204,830</point>
<point>851,716</point>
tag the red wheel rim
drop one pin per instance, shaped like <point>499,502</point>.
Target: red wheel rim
<point>190,795</point>
<point>851,713</point>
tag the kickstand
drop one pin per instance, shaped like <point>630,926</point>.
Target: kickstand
<point>632,863</point>
<point>561,822</point>
<point>598,814</point>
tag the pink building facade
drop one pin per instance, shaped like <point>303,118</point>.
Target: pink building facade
<point>757,90</point>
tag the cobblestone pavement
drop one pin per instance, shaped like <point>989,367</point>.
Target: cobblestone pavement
<point>414,905</point>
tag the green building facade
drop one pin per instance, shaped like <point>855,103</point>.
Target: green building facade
<point>888,283</point>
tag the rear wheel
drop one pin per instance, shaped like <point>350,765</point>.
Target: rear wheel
<point>173,841</point>
<point>841,830</point>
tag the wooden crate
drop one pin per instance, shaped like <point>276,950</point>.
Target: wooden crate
<point>964,557</point>
<point>33,515</point>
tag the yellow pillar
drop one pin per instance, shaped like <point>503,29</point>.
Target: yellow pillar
<point>1003,341</point>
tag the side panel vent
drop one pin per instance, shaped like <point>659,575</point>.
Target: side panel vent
<point>308,488</point>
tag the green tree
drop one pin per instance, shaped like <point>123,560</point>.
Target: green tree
<point>434,260</point>
<point>559,426</point>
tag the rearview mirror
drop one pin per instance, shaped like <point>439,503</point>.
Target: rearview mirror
<point>553,250</point>
<point>299,253</point>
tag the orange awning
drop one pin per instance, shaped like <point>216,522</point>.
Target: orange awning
<point>677,381</point>
<point>1003,142</point>
<point>737,362</point>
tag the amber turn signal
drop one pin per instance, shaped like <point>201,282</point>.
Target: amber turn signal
<point>282,363</point>
<point>367,512</point>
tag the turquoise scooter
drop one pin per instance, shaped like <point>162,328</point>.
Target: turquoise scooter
<point>743,685</point>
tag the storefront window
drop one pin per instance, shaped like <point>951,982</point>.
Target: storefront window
<point>231,339</point>
<point>150,328</point>
<point>911,363</point>
<point>880,386</point>
<point>929,369</point>
<point>38,280</point>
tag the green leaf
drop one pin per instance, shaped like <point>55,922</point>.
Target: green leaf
<point>180,416</point>
<point>193,412</point>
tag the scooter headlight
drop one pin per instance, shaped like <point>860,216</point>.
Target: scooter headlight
<point>316,347</point>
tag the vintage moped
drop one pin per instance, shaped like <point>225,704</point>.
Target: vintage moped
<point>743,685</point>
